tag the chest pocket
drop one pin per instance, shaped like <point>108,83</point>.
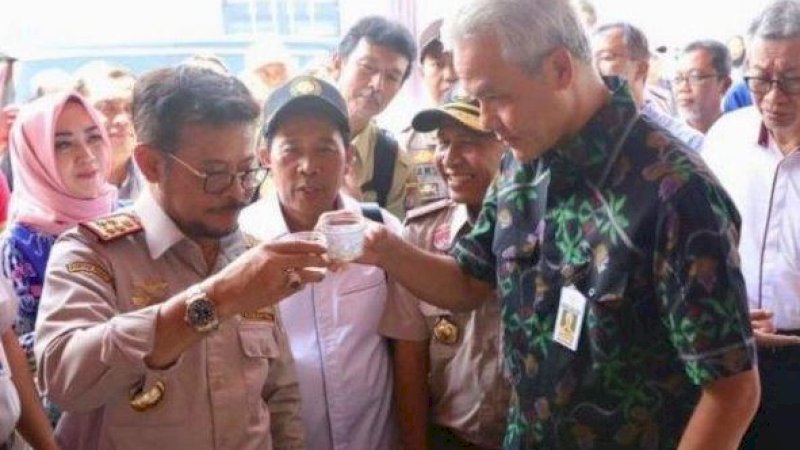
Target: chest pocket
<point>260,348</point>
<point>362,296</point>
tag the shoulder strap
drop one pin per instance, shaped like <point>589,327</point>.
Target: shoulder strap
<point>386,149</point>
<point>372,211</point>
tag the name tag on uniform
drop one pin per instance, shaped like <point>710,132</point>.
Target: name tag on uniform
<point>569,320</point>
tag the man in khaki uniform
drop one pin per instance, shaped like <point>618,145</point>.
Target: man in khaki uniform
<point>156,327</point>
<point>438,77</point>
<point>451,358</point>
<point>372,62</point>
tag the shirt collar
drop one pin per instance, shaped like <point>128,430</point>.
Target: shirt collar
<point>161,233</point>
<point>365,140</point>
<point>160,230</point>
<point>270,206</point>
<point>590,150</point>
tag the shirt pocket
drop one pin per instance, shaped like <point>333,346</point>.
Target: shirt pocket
<point>441,352</point>
<point>260,348</point>
<point>361,298</point>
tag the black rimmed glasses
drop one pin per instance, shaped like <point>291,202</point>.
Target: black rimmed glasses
<point>762,85</point>
<point>218,182</point>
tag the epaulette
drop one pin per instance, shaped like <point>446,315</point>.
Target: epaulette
<point>424,210</point>
<point>115,226</point>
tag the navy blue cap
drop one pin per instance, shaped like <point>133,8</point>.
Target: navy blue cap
<point>305,93</point>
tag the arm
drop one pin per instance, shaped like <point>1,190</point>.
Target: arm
<point>254,280</point>
<point>726,407</point>
<point>424,273</point>
<point>88,351</point>
<point>282,394</point>
<point>702,288</point>
<point>411,392</point>
<point>33,423</point>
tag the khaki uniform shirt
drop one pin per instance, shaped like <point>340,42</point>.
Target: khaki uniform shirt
<point>469,392</point>
<point>235,389</point>
<point>403,180</point>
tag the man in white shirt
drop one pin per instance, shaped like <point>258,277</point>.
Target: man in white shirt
<point>342,362</point>
<point>754,153</point>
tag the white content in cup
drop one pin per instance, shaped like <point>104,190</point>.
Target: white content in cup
<point>306,236</point>
<point>344,232</point>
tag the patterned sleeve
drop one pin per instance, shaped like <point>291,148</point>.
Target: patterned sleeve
<point>699,283</point>
<point>27,285</point>
<point>473,252</point>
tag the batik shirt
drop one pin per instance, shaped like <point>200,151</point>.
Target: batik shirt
<point>25,255</point>
<point>629,217</point>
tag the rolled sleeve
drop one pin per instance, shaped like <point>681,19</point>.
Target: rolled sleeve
<point>402,318</point>
<point>87,351</point>
<point>700,285</point>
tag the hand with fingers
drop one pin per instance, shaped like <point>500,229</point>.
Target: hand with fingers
<point>265,274</point>
<point>765,332</point>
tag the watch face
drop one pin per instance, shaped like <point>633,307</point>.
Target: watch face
<point>201,312</point>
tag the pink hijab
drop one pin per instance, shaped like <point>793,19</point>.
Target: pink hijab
<point>40,198</point>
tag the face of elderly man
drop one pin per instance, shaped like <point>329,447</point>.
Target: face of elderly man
<point>526,110</point>
<point>773,75</point>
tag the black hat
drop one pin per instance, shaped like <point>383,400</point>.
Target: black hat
<point>305,93</point>
<point>457,105</point>
<point>432,33</point>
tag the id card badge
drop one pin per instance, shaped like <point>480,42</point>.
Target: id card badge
<point>569,320</point>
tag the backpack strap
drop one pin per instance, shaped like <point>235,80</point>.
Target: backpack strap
<point>386,149</point>
<point>372,211</point>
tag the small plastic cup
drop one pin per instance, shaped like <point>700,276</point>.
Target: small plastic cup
<point>344,232</point>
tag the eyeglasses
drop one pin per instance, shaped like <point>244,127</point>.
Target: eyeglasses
<point>761,86</point>
<point>694,79</point>
<point>218,182</point>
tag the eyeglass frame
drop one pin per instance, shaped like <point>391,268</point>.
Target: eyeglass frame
<point>258,172</point>
<point>773,83</point>
<point>694,79</point>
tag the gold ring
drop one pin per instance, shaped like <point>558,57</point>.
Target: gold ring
<point>293,280</point>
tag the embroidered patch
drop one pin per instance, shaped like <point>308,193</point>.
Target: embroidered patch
<point>262,315</point>
<point>90,268</point>
<point>149,292</point>
<point>441,237</point>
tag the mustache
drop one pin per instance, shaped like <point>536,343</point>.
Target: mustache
<point>230,206</point>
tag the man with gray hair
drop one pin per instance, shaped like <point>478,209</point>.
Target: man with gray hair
<point>701,79</point>
<point>611,247</point>
<point>753,152</point>
<point>621,49</point>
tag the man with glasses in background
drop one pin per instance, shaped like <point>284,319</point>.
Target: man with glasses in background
<point>754,153</point>
<point>157,327</point>
<point>702,77</point>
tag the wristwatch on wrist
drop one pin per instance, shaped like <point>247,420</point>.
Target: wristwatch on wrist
<point>201,314</point>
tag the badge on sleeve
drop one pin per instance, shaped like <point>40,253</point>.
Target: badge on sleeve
<point>569,320</point>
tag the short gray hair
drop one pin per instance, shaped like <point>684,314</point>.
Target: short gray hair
<point>720,55</point>
<point>634,38</point>
<point>527,30</point>
<point>778,20</point>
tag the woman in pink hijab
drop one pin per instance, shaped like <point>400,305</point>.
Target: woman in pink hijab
<point>60,159</point>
